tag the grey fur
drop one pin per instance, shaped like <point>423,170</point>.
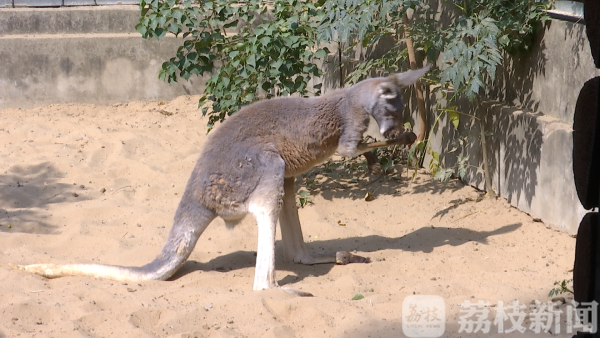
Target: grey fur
<point>248,165</point>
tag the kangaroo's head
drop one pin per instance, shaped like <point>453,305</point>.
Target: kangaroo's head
<point>386,104</point>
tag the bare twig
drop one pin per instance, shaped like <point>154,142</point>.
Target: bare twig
<point>406,138</point>
<point>467,215</point>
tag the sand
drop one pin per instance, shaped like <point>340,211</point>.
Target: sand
<point>90,183</point>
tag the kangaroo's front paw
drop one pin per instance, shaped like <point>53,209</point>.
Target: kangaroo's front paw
<point>373,165</point>
<point>344,257</point>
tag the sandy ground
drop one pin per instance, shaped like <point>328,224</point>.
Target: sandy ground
<point>88,183</point>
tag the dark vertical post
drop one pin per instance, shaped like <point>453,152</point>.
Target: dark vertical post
<point>586,170</point>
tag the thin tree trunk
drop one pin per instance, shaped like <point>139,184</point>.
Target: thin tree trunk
<point>340,66</point>
<point>421,130</point>
<point>487,174</point>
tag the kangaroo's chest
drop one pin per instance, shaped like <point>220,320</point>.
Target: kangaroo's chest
<point>301,154</point>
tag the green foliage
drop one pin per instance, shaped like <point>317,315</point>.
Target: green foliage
<point>259,49</point>
<point>561,287</point>
<point>304,198</point>
<point>517,20</point>
<point>470,56</point>
<point>478,36</point>
<point>253,49</point>
<point>435,167</point>
<point>349,21</point>
<point>364,23</point>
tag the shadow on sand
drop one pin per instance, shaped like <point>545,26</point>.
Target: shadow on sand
<point>421,240</point>
<point>24,190</point>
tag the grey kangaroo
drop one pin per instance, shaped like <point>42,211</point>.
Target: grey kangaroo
<point>249,164</point>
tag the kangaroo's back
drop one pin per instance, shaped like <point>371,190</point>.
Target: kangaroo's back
<point>303,131</point>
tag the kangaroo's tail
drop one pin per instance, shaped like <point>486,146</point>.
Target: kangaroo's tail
<point>191,219</point>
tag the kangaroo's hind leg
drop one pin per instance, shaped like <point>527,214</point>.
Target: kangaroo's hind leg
<point>265,204</point>
<point>294,248</point>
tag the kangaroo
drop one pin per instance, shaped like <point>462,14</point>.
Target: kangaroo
<point>249,164</point>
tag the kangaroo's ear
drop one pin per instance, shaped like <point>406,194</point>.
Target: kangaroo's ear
<point>409,78</point>
<point>387,90</point>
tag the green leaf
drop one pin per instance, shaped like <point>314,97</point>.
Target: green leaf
<point>267,86</point>
<point>258,30</point>
<point>174,28</point>
<point>276,64</point>
<point>177,13</point>
<point>504,40</point>
<point>321,53</point>
<point>142,29</point>
<point>225,81</point>
<point>160,33</point>
<point>442,175</point>
<point>265,40</point>
<point>454,117</point>
<point>358,296</point>
<point>435,156</point>
<point>160,21</point>
<point>251,60</point>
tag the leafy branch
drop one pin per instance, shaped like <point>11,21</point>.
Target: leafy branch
<point>253,49</point>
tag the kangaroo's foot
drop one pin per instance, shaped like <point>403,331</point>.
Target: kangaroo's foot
<point>344,257</point>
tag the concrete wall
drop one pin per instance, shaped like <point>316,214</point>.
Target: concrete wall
<point>83,55</point>
<point>529,113</point>
<point>548,79</point>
